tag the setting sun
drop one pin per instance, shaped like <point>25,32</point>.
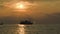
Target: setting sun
<point>21,5</point>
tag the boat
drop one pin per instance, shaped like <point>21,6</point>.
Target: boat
<point>26,22</point>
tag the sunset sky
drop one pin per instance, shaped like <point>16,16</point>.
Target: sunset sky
<point>40,11</point>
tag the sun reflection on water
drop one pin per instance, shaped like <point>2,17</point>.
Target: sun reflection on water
<point>21,29</point>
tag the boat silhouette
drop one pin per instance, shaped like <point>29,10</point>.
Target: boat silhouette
<point>26,22</point>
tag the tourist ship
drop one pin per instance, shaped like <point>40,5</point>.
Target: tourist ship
<point>26,22</point>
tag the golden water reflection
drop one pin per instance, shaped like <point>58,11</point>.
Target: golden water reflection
<point>21,29</point>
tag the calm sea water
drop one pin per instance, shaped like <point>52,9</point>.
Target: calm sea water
<point>30,29</point>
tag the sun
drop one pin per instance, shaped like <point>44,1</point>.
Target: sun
<point>21,5</point>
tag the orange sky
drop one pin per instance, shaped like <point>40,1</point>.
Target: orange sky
<point>39,10</point>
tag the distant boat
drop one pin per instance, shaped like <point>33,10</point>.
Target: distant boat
<point>26,22</point>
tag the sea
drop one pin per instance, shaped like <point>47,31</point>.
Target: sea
<point>30,29</point>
